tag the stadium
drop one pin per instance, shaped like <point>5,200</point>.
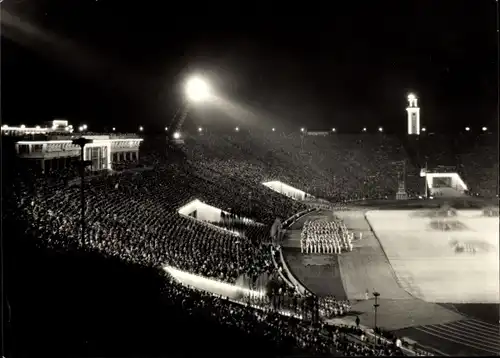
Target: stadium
<point>252,240</point>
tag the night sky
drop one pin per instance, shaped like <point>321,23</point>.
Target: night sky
<point>346,65</point>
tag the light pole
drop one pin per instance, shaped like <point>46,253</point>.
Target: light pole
<point>375,306</point>
<point>81,142</point>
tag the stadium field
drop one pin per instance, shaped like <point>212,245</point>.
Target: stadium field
<point>418,308</point>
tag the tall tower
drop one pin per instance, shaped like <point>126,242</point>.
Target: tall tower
<point>413,115</point>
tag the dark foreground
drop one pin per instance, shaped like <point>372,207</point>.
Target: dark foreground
<point>83,305</point>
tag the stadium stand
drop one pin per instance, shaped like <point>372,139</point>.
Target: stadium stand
<point>128,219</point>
<point>479,164</point>
<point>473,156</point>
<point>343,167</point>
<point>132,217</point>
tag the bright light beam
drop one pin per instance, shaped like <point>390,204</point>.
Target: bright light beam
<point>197,90</point>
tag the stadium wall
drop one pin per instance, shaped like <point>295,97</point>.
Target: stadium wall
<point>304,291</point>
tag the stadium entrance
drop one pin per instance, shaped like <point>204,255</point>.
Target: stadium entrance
<point>445,184</point>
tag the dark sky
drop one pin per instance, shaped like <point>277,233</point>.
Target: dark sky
<point>119,63</point>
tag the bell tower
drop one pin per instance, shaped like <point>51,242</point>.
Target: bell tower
<point>413,115</point>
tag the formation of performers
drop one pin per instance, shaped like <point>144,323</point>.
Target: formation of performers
<point>325,237</point>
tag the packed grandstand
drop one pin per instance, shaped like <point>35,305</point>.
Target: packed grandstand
<point>132,218</point>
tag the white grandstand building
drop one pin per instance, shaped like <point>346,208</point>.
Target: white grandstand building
<point>51,147</point>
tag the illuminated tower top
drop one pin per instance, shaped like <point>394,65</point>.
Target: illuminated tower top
<point>412,100</point>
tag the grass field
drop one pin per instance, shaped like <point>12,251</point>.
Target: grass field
<point>426,263</point>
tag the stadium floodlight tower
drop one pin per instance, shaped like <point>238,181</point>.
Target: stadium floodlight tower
<point>196,91</point>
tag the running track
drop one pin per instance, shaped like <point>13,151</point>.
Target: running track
<point>475,337</point>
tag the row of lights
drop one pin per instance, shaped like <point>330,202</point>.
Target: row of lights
<point>380,129</point>
<point>484,129</point>
<point>200,129</point>
<point>35,129</point>
<point>467,129</point>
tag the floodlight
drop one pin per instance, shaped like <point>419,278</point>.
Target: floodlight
<point>114,129</point>
<point>411,97</point>
<point>467,129</point>
<point>274,129</point>
<point>484,129</point>
<point>380,129</point>
<point>166,128</point>
<point>333,129</point>
<point>200,129</point>
<point>197,89</point>
<point>237,129</point>
<point>302,129</point>
<point>364,129</point>
<point>177,135</point>
<point>141,128</point>
<point>423,129</point>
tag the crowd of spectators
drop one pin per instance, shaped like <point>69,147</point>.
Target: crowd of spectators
<point>292,331</point>
<point>325,237</point>
<point>149,235</point>
<point>241,226</point>
<point>479,166</point>
<point>438,150</point>
<point>473,156</point>
<point>344,167</point>
<point>133,216</point>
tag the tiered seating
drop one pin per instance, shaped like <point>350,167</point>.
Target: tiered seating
<point>437,150</point>
<point>133,216</point>
<point>474,157</point>
<point>338,167</point>
<point>480,165</point>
